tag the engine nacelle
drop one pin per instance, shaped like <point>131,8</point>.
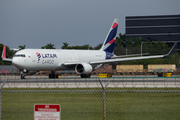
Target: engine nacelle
<point>83,68</point>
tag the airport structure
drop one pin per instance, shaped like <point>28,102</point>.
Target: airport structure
<point>164,28</point>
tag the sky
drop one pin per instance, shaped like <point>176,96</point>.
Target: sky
<point>36,23</point>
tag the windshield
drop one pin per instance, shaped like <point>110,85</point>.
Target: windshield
<point>19,55</point>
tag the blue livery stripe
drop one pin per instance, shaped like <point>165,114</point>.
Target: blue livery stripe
<point>111,35</point>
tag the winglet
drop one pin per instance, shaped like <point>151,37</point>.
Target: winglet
<point>172,49</point>
<point>4,55</point>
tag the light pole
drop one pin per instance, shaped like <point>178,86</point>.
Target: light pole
<point>141,47</point>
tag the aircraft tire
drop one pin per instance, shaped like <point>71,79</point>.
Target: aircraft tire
<point>49,76</point>
<point>57,75</point>
<point>85,75</point>
<point>53,76</point>
<point>82,76</point>
<point>22,76</point>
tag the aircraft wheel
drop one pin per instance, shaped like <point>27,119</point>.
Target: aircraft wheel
<point>49,76</point>
<point>22,76</point>
<point>57,75</point>
<point>53,76</point>
<point>85,75</point>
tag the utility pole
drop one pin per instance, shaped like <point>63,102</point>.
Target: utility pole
<point>141,47</point>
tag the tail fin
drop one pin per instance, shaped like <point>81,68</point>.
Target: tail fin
<point>108,45</point>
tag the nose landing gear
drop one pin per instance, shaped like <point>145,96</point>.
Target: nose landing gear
<point>24,73</point>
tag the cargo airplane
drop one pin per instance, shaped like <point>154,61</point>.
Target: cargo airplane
<point>82,61</point>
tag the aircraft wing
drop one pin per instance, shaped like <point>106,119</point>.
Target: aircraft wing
<point>123,56</point>
<point>125,59</point>
<point>133,58</point>
<point>119,59</point>
<point>114,60</point>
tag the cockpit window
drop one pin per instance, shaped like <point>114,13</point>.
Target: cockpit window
<point>23,55</point>
<point>20,55</point>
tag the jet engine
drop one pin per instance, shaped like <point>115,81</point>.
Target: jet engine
<point>83,68</point>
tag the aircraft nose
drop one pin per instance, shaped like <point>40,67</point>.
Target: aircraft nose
<point>16,62</point>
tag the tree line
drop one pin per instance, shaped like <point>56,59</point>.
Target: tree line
<point>123,46</point>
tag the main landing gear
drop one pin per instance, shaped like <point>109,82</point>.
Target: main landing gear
<point>85,75</point>
<point>53,75</point>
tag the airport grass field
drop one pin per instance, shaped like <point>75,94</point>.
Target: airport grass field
<point>88,104</point>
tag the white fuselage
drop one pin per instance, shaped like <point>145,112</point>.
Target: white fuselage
<point>53,59</point>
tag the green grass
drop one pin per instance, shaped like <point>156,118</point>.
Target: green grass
<point>89,105</point>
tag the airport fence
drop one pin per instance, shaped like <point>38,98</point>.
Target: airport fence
<point>128,94</point>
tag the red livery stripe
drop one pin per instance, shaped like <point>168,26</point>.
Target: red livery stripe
<point>114,25</point>
<point>110,42</point>
<point>37,53</point>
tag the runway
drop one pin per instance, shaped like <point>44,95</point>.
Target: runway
<point>93,82</point>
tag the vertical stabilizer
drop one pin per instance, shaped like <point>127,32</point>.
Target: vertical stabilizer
<point>108,45</point>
